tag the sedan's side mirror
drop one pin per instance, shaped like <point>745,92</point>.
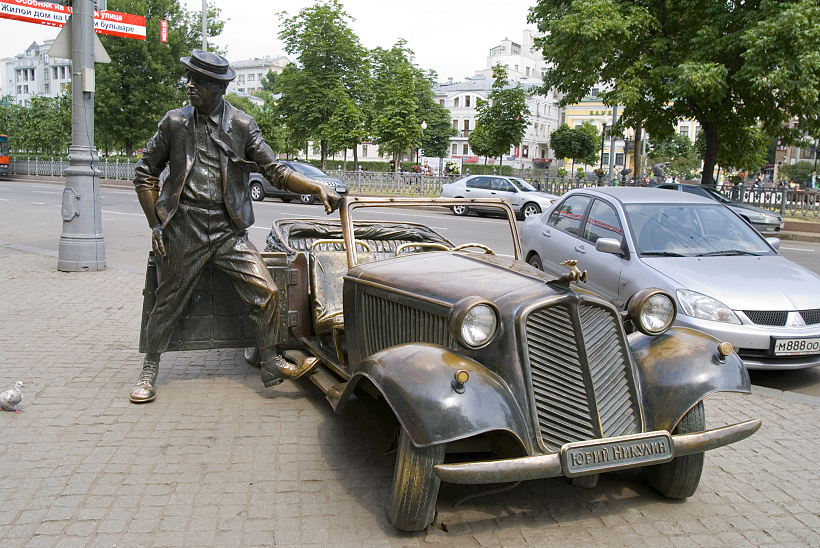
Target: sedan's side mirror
<point>608,245</point>
<point>774,242</point>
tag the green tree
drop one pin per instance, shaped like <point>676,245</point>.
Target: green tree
<point>578,144</point>
<point>799,172</point>
<point>677,151</point>
<point>145,78</point>
<point>726,64</point>
<point>591,157</point>
<point>741,147</point>
<point>505,115</point>
<point>397,120</point>
<point>332,69</point>
<point>243,104</point>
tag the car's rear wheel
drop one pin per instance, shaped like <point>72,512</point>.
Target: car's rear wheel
<point>412,502</point>
<point>535,261</point>
<point>307,199</point>
<point>257,192</point>
<point>460,210</point>
<point>529,210</point>
<point>679,478</point>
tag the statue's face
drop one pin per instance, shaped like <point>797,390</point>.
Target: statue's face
<point>203,92</point>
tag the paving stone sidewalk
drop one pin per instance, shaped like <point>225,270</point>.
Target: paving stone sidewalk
<point>218,460</point>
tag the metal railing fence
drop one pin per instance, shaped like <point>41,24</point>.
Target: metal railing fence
<point>785,200</point>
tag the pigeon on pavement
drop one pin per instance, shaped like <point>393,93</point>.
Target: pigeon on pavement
<point>11,398</point>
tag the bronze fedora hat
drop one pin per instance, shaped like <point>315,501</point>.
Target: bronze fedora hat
<point>209,64</point>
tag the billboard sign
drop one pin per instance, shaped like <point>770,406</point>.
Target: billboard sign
<point>112,23</point>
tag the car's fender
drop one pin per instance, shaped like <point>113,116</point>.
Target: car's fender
<point>679,369</point>
<point>417,380</point>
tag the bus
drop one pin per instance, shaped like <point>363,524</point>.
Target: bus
<point>4,155</point>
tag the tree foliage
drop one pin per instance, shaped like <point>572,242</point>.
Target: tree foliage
<point>728,65</point>
<point>330,76</point>
<point>41,127</point>
<point>145,78</point>
<point>578,144</point>
<point>504,115</point>
<point>678,152</point>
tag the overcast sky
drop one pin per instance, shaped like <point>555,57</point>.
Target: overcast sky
<point>452,38</point>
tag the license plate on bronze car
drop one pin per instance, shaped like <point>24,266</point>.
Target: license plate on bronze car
<point>795,347</point>
<point>603,455</point>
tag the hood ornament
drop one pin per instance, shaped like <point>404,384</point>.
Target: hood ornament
<point>574,275</point>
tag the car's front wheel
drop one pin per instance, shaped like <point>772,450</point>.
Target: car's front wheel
<point>535,261</point>
<point>460,210</point>
<point>529,210</point>
<point>257,192</point>
<point>679,478</point>
<point>307,199</point>
<point>412,502</point>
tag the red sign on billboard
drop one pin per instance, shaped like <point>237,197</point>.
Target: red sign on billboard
<point>56,15</point>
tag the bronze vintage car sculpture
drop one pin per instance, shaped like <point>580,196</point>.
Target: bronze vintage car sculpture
<point>549,380</point>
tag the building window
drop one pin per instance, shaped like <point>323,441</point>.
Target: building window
<point>684,130</point>
<point>364,151</point>
<point>240,79</point>
<point>605,158</point>
<point>47,89</point>
<point>525,151</point>
<point>62,73</point>
<point>260,76</point>
<point>467,101</point>
<point>441,102</point>
<point>528,71</point>
<point>25,89</point>
<point>453,153</point>
<point>466,126</point>
<point>20,90</point>
<point>455,102</point>
<point>251,77</point>
<point>619,158</point>
<point>455,124</point>
<point>516,68</point>
<point>465,149</point>
<point>25,76</point>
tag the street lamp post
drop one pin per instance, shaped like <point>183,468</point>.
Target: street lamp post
<point>603,131</point>
<point>418,149</point>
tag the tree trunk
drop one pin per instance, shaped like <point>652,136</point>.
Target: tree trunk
<point>324,154</point>
<point>356,158</point>
<point>710,156</point>
<point>129,149</point>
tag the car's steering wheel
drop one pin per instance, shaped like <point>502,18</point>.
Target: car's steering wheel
<point>487,250</point>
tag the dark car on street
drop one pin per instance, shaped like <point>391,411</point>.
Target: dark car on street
<point>261,188</point>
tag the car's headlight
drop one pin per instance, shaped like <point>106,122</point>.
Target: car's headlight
<point>473,322</point>
<point>652,311</point>
<point>702,307</point>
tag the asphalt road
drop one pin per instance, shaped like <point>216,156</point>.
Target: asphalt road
<point>31,220</point>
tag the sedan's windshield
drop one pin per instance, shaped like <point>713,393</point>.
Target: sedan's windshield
<point>522,185</point>
<point>307,169</point>
<point>693,230</point>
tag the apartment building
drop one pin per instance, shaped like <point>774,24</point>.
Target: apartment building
<point>34,72</point>
<point>251,72</point>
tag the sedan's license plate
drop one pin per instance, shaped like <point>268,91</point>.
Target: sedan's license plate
<point>795,347</point>
<point>590,457</point>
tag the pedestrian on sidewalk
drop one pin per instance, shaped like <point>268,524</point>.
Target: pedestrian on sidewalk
<point>201,213</point>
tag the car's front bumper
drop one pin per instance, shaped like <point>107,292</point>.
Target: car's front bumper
<point>562,463</point>
<point>753,342</point>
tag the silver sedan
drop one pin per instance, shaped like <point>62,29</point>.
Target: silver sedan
<point>728,280</point>
<point>525,199</point>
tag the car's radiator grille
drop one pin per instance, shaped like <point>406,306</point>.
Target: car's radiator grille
<point>573,402</point>
<point>390,323</point>
<point>811,317</point>
<point>766,317</point>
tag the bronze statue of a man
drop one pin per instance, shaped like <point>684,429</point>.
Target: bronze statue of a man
<point>201,213</point>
